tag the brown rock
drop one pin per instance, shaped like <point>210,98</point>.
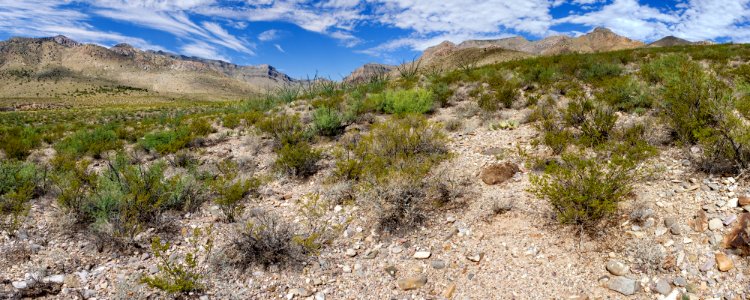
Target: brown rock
<point>412,283</point>
<point>724,262</point>
<point>499,173</point>
<point>700,222</point>
<point>744,200</point>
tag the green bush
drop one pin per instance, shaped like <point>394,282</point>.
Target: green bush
<point>624,94</point>
<point>230,189</point>
<point>298,160</point>
<point>17,142</point>
<point>88,142</point>
<point>327,122</point>
<point>122,200</point>
<point>577,111</point>
<point>441,92</point>
<point>175,139</point>
<point>180,277</point>
<point>664,68</point>
<point>502,94</point>
<point>401,102</point>
<point>598,126</point>
<point>388,166</point>
<point>285,129</point>
<point>582,190</point>
<point>19,183</point>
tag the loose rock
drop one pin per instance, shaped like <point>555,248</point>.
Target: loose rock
<point>724,262</point>
<point>412,283</point>
<point>499,173</point>
<point>624,285</point>
<point>617,268</point>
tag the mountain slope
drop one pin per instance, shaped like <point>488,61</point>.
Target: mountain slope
<point>59,67</point>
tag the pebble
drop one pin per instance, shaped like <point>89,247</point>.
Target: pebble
<point>391,270</point>
<point>733,202</point>
<point>715,224</point>
<point>351,252</point>
<point>438,264</point>
<point>624,285</point>
<point>422,254</point>
<point>675,229</point>
<point>724,262</point>
<point>708,265</point>
<point>617,268</point>
<point>659,231</point>
<point>679,281</point>
<point>730,219</point>
<point>475,257</point>
<point>371,253</point>
<point>662,287</point>
<point>411,283</point>
<point>397,249</point>
<point>20,284</point>
<point>347,269</point>
<point>669,222</point>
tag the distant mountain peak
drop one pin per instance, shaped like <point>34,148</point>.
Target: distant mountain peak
<point>602,30</point>
<point>65,41</point>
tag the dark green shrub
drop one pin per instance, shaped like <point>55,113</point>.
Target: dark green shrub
<point>502,94</point>
<point>88,142</point>
<point>624,94</point>
<point>665,68</point>
<point>594,69</point>
<point>17,142</point>
<point>441,92</point>
<point>19,183</point>
<point>298,160</point>
<point>582,190</point>
<point>598,125</point>
<point>327,122</point>
<point>575,114</point>
<point>175,139</point>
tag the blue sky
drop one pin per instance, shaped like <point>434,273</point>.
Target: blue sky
<point>332,37</point>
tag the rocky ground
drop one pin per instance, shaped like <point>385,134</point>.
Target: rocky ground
<point>496,242</point>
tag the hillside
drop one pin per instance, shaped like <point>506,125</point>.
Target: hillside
<point>606,175</point>
<point>59,69</point>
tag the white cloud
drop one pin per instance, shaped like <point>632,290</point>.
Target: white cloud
<point>278,47</point>
<point>203,50</point>
<point>269,35</point>
<point>626,17</point>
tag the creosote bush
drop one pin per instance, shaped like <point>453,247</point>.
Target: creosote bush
<point>180,277</point>
<point>266,240</point>
<point>17,142</point>
<point>299,160</point>
<point>88,142</point>
<point>401,102</point>
<point>230,189</point>
<point>584,190</point>
<point>327,122</point>
<point>19,183</point>
<point>388,166</point>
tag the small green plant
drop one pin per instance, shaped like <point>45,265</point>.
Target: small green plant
<point>298,160</point>
<point>88,142</point>
<point>266,241</point>
<point>327,122</point>
<point>17,142</point>
<point>577,111</point>
<point>285,129</point>
<point>598,125</point>
<point>319,230</point>
<point>19,183</point>
<point>624,94</point>
<point>231,189</point>
<point>583,190</point>
<point>180,277</point>
<point>504,125</point>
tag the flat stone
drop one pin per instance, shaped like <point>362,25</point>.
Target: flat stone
<point>624,285</point>
<point>370,254</point>
<point>715,224</point>
<point>422,254</point>
<point>438,264</point>
<point>449,291</point>
<point>708,265</point>
<point>732,203</point>
<point>669,222</point>
<point>411,283</point>
<point>679,281</point>
<point>617,268</point>
<point>20,284</point>
<point>302,292</point>
<point>662,287</point>
<point>675,229</point>
<point>55,279</point>
<point>700,222</point>
<point>729,220</point>
<point>477,257</point>
<point>397,249</point>
<point>724,262</point>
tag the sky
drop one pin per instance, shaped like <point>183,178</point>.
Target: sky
<point>330,38</point>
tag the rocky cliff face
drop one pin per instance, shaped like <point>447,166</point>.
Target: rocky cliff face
<point>126,65</point>
<point>368,71</point>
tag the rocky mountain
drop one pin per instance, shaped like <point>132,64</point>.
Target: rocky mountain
<point>670,41</point>
<point>367,71</point>
<point>58,66</point>
<point>598,40</point>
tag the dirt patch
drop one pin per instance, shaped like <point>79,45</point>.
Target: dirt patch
<point>499,173</point>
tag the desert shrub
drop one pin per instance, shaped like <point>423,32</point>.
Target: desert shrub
<point>327,122</point>
<point>231,121</point>
<point>120,201</point>
<point>584,190</point>
<point>266,240</point>
<point>388,166</point>
<point>230,189</point>
<point>403,101</point>
<point>577,111</point>
<point>180,277</point>
<point>19,183</point>
<point>624,94</point>
<point>88,142</point>
<point>555,135</point>
<point>318,230</point>
<point>453,125</point>
<point>502,94</point>
<point>17,142</point>
<point>542,74</point>
<point>179,137</point>
<point>594,69</point>
<point>598,126</point>
<point>663,68</point>
<point>441,92</point>
<point>298,160</point>
<point>285,129</point>
<point>742,73</point>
